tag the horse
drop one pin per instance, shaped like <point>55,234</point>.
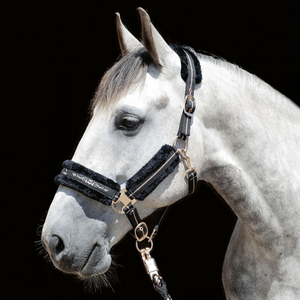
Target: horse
<point>244,142</point>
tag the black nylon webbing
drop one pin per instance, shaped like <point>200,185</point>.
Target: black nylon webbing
<point>192,75</point>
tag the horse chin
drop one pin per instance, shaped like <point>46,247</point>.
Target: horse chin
<point>97,271</point>
<point>97,276</point>
<point>94,268</point>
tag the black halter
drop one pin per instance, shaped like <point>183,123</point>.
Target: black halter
<point>140,185</point>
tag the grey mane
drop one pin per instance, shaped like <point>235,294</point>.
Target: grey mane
<point>132,68</point>
<point>125,73</point>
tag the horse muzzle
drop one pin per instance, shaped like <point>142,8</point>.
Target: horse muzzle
<point>75,237</point>
<point>91,260</point>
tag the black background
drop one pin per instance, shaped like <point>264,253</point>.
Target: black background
<point>57,53</point>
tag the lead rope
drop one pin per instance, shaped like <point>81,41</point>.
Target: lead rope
<point>152,270</point>
<point>150,265</point>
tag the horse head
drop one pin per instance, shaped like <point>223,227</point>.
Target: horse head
<point>136,110</point>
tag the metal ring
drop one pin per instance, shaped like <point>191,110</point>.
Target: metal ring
<point>145,234</point>
<point>141,251</point>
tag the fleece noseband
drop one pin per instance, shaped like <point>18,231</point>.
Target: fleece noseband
<point>107,191</point>
<point>139,186</point>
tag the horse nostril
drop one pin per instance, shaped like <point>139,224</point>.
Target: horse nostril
<point>56,245</point>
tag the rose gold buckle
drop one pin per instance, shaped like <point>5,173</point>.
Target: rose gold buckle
<point>189,97</point>
<point>122,202</point>
<point>140,227</point>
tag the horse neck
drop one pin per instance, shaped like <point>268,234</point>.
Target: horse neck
<point>250,136</point>
<point>241,114</point>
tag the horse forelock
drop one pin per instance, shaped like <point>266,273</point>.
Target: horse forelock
<point>130,70</point>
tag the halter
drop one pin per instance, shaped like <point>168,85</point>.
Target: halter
<point>139,186</point>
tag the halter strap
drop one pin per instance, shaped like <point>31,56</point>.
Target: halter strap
<point>192,75</point>
<point>182,53</point>
<point>153,173</point>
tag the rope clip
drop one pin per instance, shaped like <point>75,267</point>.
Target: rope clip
<point>149,263</point>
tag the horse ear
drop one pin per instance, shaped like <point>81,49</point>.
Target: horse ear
<point>127,41</point>
<point>153,41</point>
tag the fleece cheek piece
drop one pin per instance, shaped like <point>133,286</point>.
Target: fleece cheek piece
<point>163,163</point>
<point>105,190</point>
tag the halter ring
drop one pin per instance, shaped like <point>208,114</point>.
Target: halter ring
<point>141,227</point>
<point>144,249</point>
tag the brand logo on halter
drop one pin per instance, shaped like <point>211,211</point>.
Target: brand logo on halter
<point>87,181</point>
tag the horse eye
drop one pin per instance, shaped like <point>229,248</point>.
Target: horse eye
<point>129,122</point>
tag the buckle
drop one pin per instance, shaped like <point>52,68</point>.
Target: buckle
<point>141,231</point>
<point>189,105</point>
<point>122,202</point>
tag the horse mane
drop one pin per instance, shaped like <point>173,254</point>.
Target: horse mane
<point>124,74</point>
<point>132,68</point>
